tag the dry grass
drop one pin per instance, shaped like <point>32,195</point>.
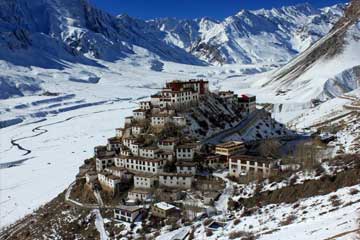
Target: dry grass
<point>353,191</point>
<point>241,234</point>
<point>288,220</point>
<point>325,185</point>
<point>59,220</point>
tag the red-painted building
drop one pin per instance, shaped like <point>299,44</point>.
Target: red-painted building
<point>199,86</point>
<point>247,103</point>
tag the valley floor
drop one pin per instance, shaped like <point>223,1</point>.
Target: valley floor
<point>46,149</point>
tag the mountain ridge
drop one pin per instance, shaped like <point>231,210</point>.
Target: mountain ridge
<point>73,29</point>
<point>337,50</point>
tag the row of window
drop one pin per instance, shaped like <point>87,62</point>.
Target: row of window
<point>141,168</point>
<point>146,163</point>
<point>171,183</point>
<point>184,155</point>
<point>173,177</point>
<point>142,184</point>
<point>184,168</point>
<point>184,150</point>
<point>122,212</point>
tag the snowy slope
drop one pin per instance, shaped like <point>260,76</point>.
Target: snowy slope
<point>56,31</point>
<point>328,68</point>
<point>278,34</point>
<point>83,114</point>
<point>97,66</point>
<point>53,34</point>
<point>309,220</point>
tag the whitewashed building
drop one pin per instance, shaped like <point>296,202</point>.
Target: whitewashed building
<point>120,132</point>
<point>139,194</point>
<point>129,120</point>
<point>180,94</point>
<point>168,144</point>
<point>122,173</point>
<point>159,120</point>
<point>244,164</point>
<point>127,213</point>
<point>103,162</point>
<point>140,164</point>
<point>164,155</point>
<point>125,152</point>
<point>134,148</point>
<point>91,176</point>
<point>114,144</point>
<point>136,130</point>
<point>109,181</point>
<point>139,114</point>
<point>185,152</point>
<point>127,141</point>
<point>145,181</point>
<point>164,210</point>
<point>186,167</point>
<point>176,180</point>
<point>180,99</point>
<point>145,105</point>
<point>148,152</point>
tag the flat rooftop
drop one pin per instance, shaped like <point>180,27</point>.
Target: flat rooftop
<point>250,159</point>
<point>164,206</point>
<point>230,144</point>
<point>129,208</point>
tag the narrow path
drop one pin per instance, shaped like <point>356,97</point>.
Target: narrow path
<point>222,203</point>
<point>342,234</point>
<point>98,198</point>
<point>9,232</point>
<point>244,124</point>
<point>99,223</point>
<point>76,203</point>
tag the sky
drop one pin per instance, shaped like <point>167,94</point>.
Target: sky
<point>185,9</point>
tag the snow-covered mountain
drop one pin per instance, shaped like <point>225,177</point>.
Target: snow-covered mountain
<point>73,30</point>
<point>86,68</point>
<point>328,68</point>
<point>274,35</point>
<point>56,34</point>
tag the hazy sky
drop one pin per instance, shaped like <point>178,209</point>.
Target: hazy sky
<point>217,9</point>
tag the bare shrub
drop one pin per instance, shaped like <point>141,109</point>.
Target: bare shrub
<point>353,191</point>
<point>335,201</point>
<point>191,234</point>
<point>270,148</point>
<point>289,220</point>
<point>296,205</point>
<point>207,221</point>
<point>241,234</point>
<point>236,221</point>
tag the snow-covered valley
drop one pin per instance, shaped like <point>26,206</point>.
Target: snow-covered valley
<point>61,131</point>
<point>56,107</point>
